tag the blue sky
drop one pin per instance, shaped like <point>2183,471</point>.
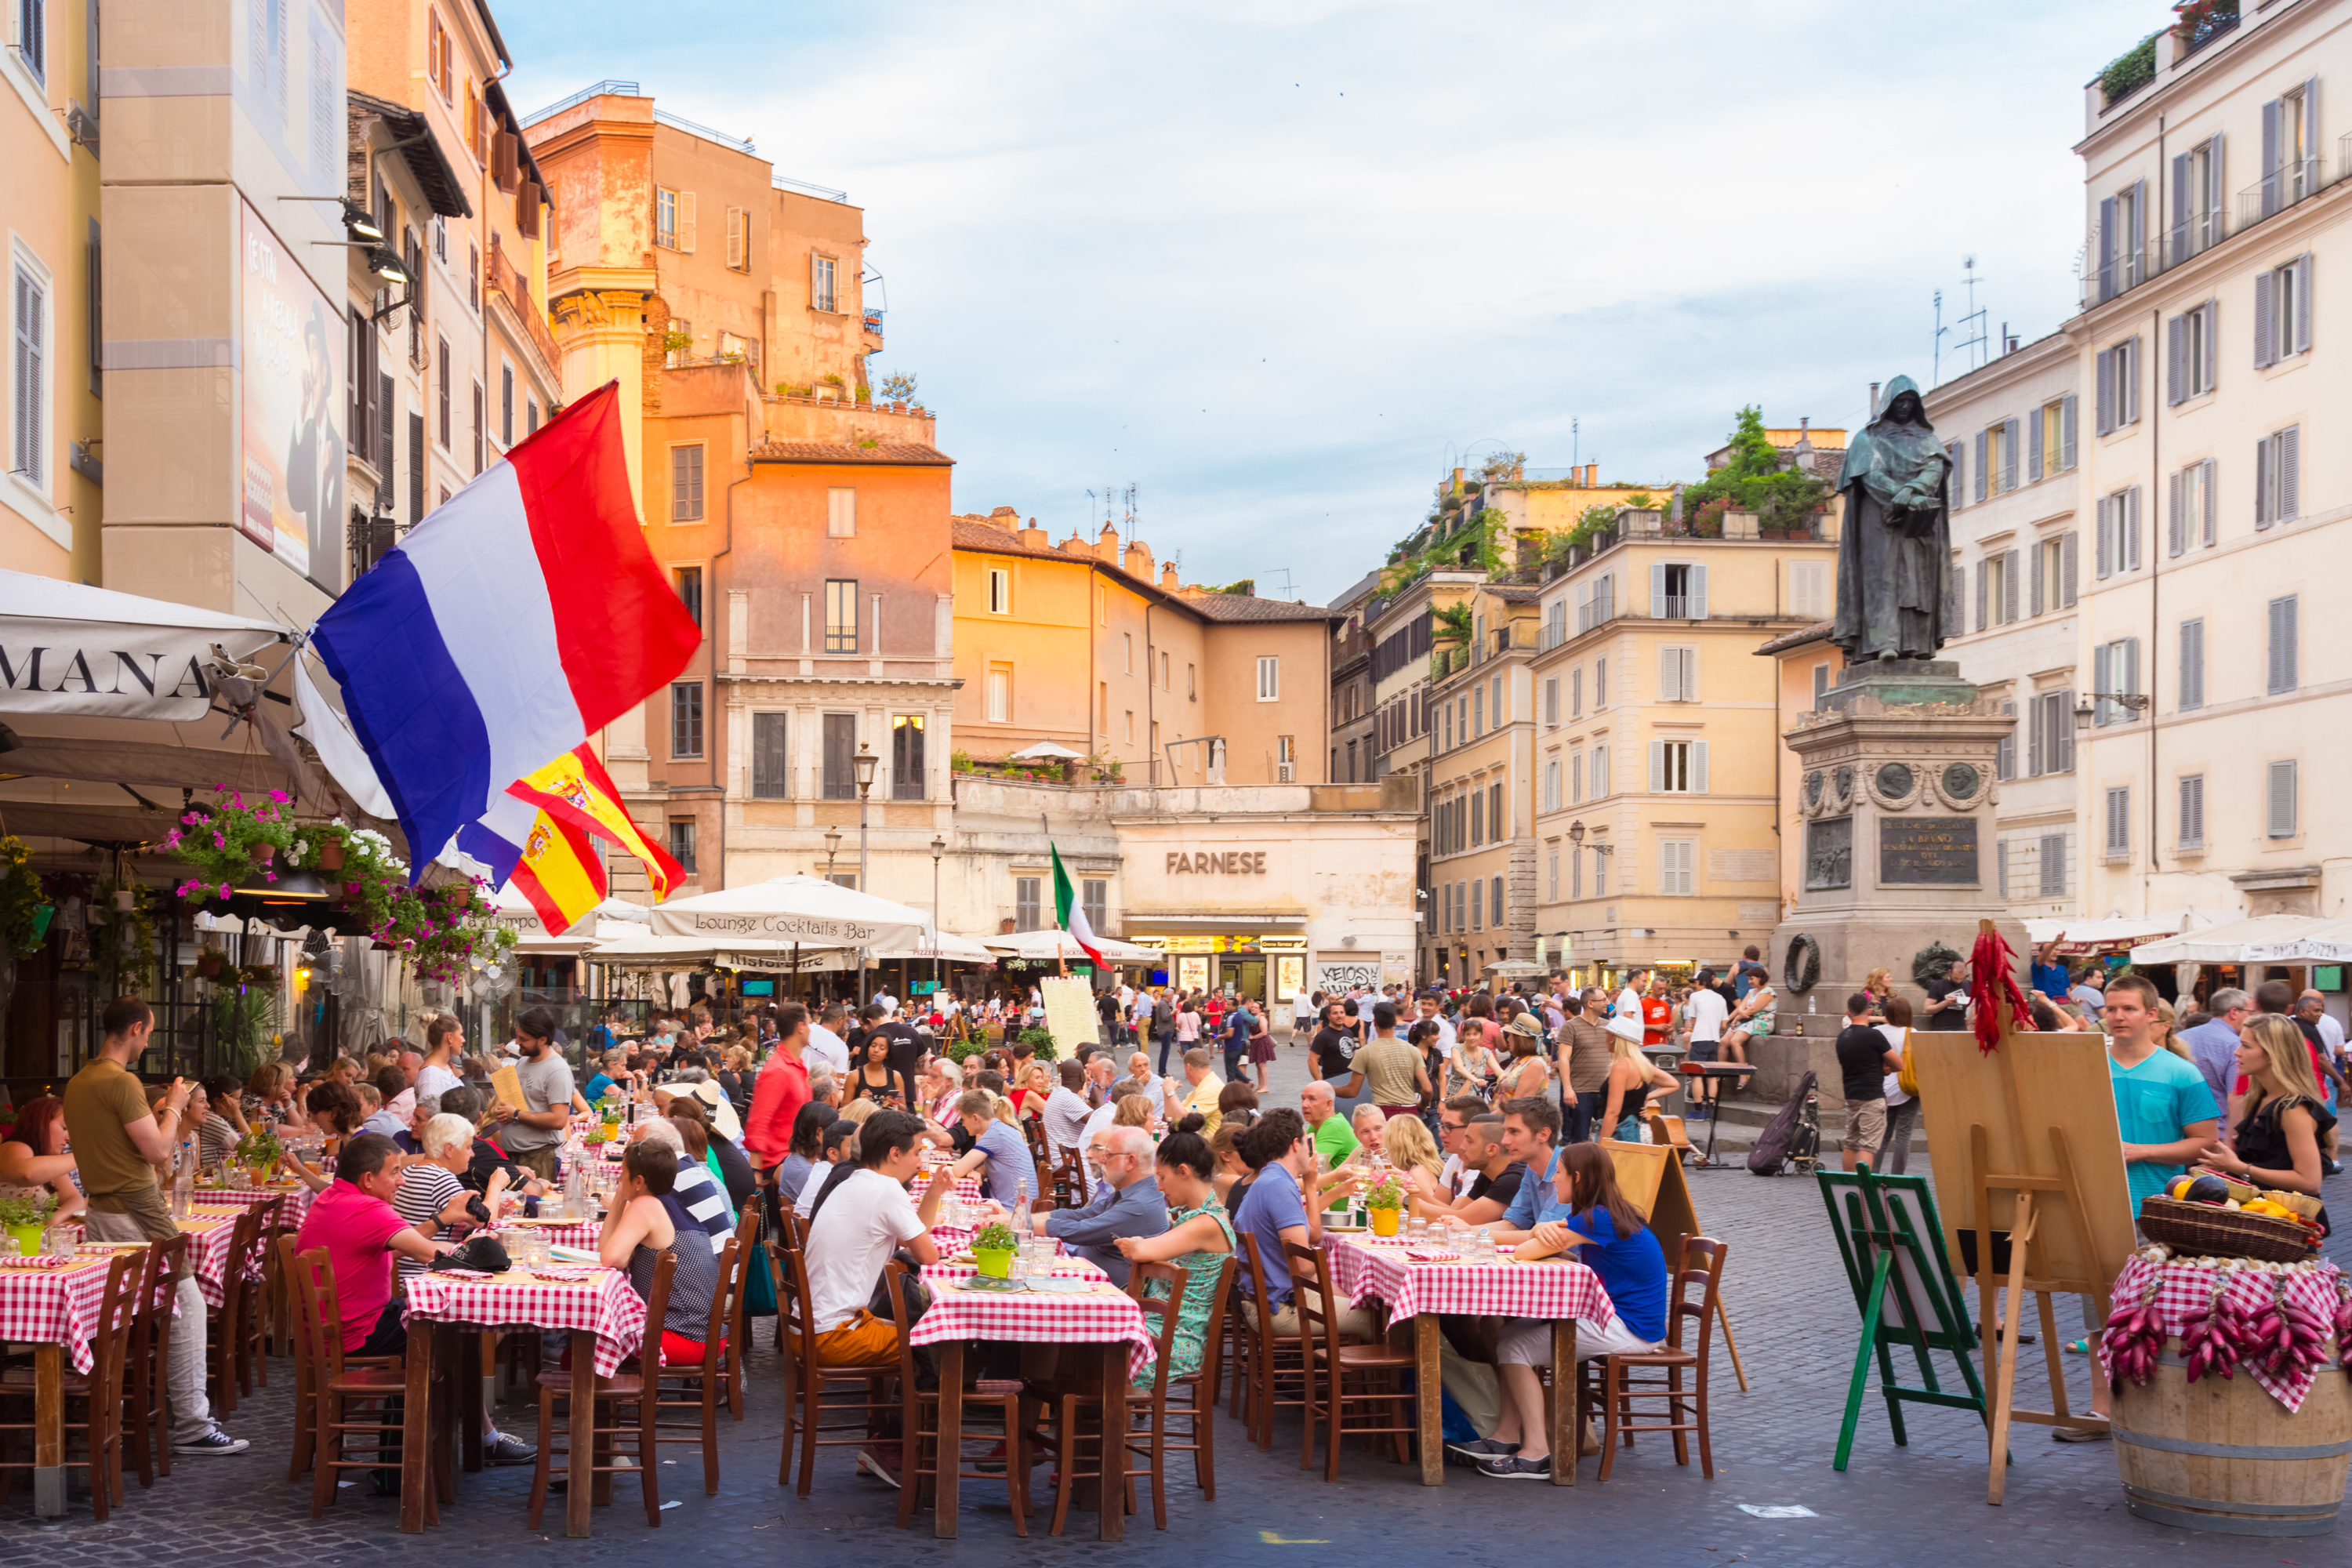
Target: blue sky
<point>1278,262</point>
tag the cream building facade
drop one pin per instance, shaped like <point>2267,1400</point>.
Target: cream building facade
<point>2211,341</point>
<point>1482,827</point>
<point>2012,429</point>
<point>1657,737</point>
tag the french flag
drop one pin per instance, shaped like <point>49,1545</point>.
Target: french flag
<point>525,614</point>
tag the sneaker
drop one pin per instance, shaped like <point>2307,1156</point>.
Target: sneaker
<point>1511,1468</point>
<point>506,1450</point>
<point>2078,1435</point>
<point>1479,1448</point>
<point>213,1442</point>
<point>871,1462</point>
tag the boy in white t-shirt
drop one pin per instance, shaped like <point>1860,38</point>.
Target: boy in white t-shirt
<point>863,1220</point>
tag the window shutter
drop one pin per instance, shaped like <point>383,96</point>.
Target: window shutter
<point>1657,592</point>
<point>1982,577</point>
<point>2102,378</point>
<point>2282,641</point>
<point>2038,591</point>
<point>2290,479</point>
<point>2207,472</point>
<point>2063,729</point>
<point>2263,333</point>
<point>1690,673</point>
<point>2102,668</point>
<point>2263,506</point>
<point>2130,666</point>
<point>2103,535</point>
<point>2128,366</point>
<point>2179,245</point>
<point>2119,821</point>
<point>2034,725</point>
<point>1983,469</point>
<point>2192,812</point>
<point>2301,302</point>
<point>2208,362</point>
<point>2214,187</point>
<point>1669,674</point>
<point>2008,576</point>
<point>2282,800</point>
<point>2175,523</point>
<point>2270,157</point>
<point>1698,767</point>
<point>2308,177</point>
<point>1697,593</point>
<point>2008,454</point>
<point>1657,766</point>
<point>2108,248</point>
<point>529,199</point>
<point>686,221</point>
<point>735,236</point>
<point>2175,376</point>
<point>2192,665</point>
<point>2066,422</point>
<point>2034,445</point>
<point>2128,553</point>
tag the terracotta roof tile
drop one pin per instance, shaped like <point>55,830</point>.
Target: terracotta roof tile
<point>902,453</point>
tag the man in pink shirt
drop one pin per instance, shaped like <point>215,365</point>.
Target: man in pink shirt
<point>353,1219</point>
<point>779,1092</point>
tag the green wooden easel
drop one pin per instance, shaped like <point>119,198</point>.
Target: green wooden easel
<point>1892,1242</point>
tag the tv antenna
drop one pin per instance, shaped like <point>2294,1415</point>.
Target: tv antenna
<point>1935,375</point>
<point>1972,325</point>
<point>1285,590</point>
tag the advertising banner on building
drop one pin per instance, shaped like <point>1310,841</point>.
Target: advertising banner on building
<point>292,344</point>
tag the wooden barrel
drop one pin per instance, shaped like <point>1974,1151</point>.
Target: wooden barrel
<point>2222,1455</point>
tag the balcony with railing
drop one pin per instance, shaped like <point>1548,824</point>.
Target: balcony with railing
<point>501,277</point>
<point>2294,180</point>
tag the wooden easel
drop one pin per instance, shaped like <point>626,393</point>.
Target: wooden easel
<point>1650,1178</point>
<point>1892,1243</point>
<point>2045,1183</point>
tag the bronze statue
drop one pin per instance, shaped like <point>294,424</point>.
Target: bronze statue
<point>1895,550</point>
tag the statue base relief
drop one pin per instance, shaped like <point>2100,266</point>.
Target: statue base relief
<point>1894,807</point>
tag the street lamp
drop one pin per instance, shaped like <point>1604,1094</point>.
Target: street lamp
<point>831,848</point>
<point>2131,702</point>
<point>938,847</point>
<point>863,765</point>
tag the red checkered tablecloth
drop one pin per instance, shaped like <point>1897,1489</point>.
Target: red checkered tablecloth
<point>603,1304</point>
<point>580,1233</point>
<point>1554,1287</point>
<point>209,1236</point>
<point>54,1306</point>
<point>944,1271</point>
<point>2184,1290</point>
<point>296,1196</point>
<point>1097,1317</point>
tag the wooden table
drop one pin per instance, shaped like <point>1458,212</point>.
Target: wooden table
<point>53,1311</point>
<point>1555,1288</point>
<point>1106,1320</point>
<point>603,1316</point>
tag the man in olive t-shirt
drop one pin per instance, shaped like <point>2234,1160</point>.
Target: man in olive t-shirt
<point>117,1142</point>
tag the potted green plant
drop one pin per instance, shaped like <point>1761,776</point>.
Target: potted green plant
<point>1384,1203</point>
<point>260,1151</point>
<point>992,1249</point>
<point>24,1216</point>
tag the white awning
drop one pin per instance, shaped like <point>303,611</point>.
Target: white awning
<point>68,648</point>
<point>2077,933</point>
<point>1041,946</point>
<point>2259,940</point>
<point>803,908</point>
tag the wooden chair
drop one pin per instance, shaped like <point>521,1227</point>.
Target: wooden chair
<point>1198,1410</point>
<point>610,1432</point>
<point>352,1402</point>
<point>232,1330</point>
<point>1275,1361</point>
<point>918,1421</point>
<point>147,1360</point>
<point>129,1280</point>
<point>702,1386</point>
<point>299,1342</point>
<point>1621,1387</point>
<point>749,1255</point>
<point>1333,1364</point>
<point>814,1390</point>
<point>1070,1180</point>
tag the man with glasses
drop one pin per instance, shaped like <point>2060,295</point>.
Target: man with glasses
<point>1126,1202</point>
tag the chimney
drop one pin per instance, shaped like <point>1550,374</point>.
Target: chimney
<point>1168,581</point>
<point>1872,412</point>
<point>1138,560</point>
<point>1593,476</point>
<point>1106,545</point>
<point>1033,536</point>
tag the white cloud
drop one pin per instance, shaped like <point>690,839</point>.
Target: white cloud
<point>1272,261</point>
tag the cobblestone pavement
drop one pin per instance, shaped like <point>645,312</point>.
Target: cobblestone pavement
<point>1797,1327</point>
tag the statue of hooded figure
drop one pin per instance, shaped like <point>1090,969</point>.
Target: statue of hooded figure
<point>1895,565</point>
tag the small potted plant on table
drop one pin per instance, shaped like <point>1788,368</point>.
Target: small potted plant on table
<point>992,1249</point>
<point>1384,1203</point>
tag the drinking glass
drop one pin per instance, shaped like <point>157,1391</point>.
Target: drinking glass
<point>57,1241</point>
<point>8,1245</point>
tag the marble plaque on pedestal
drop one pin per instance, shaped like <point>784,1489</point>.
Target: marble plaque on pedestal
<point>1940,850</point>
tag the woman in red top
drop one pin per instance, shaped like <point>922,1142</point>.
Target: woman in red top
<point>1029,1098</point>
<point>1657,1014</point>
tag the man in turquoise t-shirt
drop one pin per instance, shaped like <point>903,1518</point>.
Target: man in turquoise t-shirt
<point>1334,1139</point>
<point>2163,1104</point>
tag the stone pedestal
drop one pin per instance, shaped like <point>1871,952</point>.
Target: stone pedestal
<point>1896,804</point>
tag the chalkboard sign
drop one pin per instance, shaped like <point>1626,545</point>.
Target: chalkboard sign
<point>1928,849</point>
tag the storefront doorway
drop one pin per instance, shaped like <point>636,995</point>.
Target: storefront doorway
<point>1241,979</point>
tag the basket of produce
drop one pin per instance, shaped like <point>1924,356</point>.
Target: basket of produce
<point>2210,1215</point>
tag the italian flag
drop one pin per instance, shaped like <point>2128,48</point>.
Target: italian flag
<point>1067,912</point>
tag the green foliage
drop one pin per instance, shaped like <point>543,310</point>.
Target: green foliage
<point>32,1206</point>
<point>997,1237</point>
<point>1451,625</point>
<point>259,1147</point>
<point>677,342</point>
<point>898,387</point>
<point>1593,521</point>
<point>2130,71</point>
<point>1752,479</point>
<point>1389,1194</point>
<point>122,945</point>
<point>1243,588</point>
<point>20,899</point>
<point>241,1020</point>
<point>1503,466</point>
<point>1043,1038</point>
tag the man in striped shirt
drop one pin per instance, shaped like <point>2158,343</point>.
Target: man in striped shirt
<point>697,1193</point>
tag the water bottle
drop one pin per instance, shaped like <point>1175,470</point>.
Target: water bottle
<point>1021,1215</point>
<point>184,1178</point>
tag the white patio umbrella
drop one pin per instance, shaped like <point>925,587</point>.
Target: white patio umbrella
<point>948,947</point>
<point>1047,752</point>
<point>799,908</point>
<point>2236,943</point>
<point>1037,946</point>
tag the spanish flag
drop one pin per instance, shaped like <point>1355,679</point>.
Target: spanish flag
<point>575,789</point>
<point>562,872</point>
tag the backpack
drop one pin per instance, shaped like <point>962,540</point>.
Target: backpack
<point>1773,1145</point>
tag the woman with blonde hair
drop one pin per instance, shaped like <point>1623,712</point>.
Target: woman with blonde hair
<point>1136,1110</point>
<point>2277,1140</point>
<point>1413,1152</point>
<point>1633,1079</point>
